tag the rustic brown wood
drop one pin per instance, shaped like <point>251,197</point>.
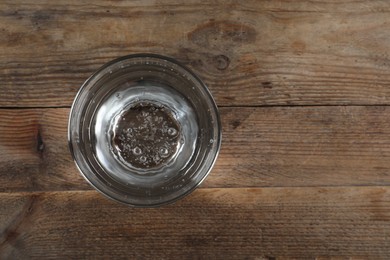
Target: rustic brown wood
<point>256,223</point>
<point>33,151</point>
<point>252,53</point>
<point>271,146</point>
<point>304,170</point>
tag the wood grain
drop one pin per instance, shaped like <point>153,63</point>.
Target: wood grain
<point>253,53</point>
<point>33,151</point>
<point>304,92</point>
<point>262,147</point>
<point>268,223</point>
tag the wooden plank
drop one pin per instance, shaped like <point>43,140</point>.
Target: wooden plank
<point>304,146</point>
<point>261,223</point>
<point>252,53</point>
<point>267,147</point>
<point>33,151</point>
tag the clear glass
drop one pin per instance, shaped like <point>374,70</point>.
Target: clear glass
<point>144,130</point>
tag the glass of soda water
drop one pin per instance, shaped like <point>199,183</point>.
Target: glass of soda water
<point>144,130</point>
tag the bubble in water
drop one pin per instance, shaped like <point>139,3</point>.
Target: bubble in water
<point>156,158</point>
<point>144,114</point>
<point>137,151</point>
<point>172,131</point>
<point>147,137</point>
<point>211,141</point>
<point>127,147</point>
<point>118,96</point>
<point>164,152</point>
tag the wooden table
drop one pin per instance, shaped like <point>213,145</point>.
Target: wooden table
<point>303,89</point>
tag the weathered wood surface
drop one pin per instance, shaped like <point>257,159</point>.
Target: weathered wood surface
<point>249,53</point>
<point>260,223</point>
<point>304,91</point>
<point>262,147</point>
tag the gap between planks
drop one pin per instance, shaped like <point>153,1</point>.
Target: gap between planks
<point>229,106</point>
